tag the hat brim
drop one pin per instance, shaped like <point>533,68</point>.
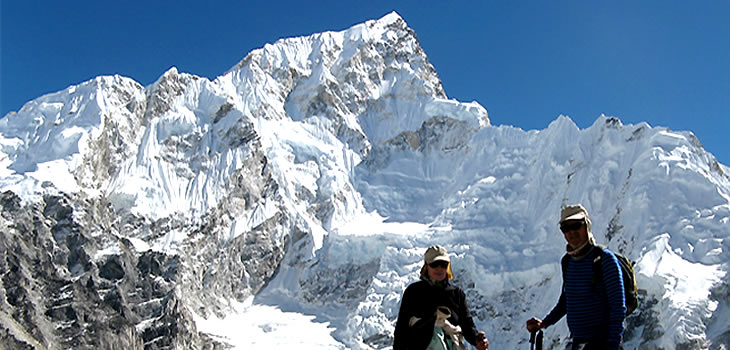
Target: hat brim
<point>576,216</point>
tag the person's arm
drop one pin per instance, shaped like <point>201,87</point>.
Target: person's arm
<point>556,313</point>
<point>614,285</point>
<point>401,332</point>
<point>415,321</point>
<point>466,322</point>
<point>558,310</point>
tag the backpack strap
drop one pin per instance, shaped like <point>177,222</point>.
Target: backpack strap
<point>564,266</point>
<point>597,268</point>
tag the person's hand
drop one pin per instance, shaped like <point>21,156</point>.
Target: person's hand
<point>534,324</point>
<point>482,342</point>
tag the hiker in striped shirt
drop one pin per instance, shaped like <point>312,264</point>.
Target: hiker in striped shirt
<point>595,310</point>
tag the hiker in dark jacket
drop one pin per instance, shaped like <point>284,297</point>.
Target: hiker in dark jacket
<point>433,313</point>
<point>595,309</point>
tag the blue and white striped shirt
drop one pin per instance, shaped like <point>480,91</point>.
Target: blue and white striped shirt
<point>594,310</point>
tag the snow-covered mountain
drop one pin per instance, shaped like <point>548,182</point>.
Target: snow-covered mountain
<point>289,202</point>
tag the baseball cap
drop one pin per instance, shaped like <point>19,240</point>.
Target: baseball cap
<point>573,212</point>
<point>436,253</point>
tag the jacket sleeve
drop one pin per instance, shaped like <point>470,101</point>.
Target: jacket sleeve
<point>557,312</point>
<point>405,335</point>
<point>614,285</point>
<point>400,335</point>
<point>466,322</point>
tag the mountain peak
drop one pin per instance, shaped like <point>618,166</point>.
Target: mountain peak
<point>390,18</point>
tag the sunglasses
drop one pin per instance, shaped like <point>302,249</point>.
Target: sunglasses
<point>439,263</point>
<point>571,226</point>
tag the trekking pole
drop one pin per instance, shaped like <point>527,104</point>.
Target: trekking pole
<point>532,340</point>
<point>536,340</point>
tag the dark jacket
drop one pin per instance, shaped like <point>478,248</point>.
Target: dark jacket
<point>420,299</point>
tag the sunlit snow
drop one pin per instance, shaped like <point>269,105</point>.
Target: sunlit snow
<point>268,327</point>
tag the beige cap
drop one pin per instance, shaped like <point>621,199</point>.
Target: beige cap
<point>578,212</point>
<point>436,253</point>
<point>573,212</point>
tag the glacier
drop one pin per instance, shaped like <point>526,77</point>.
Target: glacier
<point>288,202</point>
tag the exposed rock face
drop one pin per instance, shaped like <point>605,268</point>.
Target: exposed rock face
<point>73,281</point>
<point>56,295</point>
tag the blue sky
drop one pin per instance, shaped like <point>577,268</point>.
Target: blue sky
<point>663,62</point>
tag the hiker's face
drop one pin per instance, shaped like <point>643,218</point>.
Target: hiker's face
<point>576,234</point>
<point>437,273</point>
